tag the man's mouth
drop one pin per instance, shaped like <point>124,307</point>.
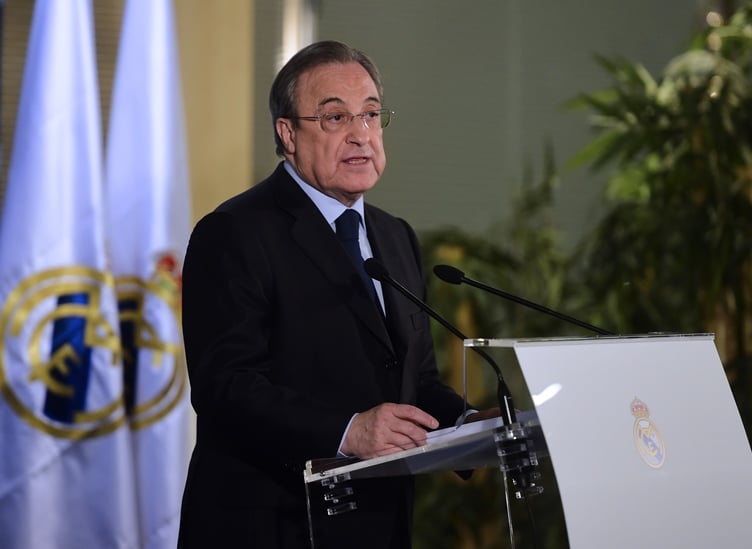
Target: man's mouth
<point>355,161</point>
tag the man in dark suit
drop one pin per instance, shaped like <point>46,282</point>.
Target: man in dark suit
<point>292,355</point>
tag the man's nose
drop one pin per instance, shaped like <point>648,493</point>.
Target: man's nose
<point>358,131</point>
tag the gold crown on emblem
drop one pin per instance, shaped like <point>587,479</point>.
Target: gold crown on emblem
<point>639,408</point>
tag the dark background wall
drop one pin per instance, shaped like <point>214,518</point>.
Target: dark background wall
<point>478,87</point>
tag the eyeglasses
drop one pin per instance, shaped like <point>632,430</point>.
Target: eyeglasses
<point>335,121</point>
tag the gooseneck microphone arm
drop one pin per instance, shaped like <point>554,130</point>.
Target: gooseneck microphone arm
<point>455,276</point>
<point>377,271</point>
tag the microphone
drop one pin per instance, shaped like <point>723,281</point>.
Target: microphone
<point>378,271</point>
<point>455,276</point>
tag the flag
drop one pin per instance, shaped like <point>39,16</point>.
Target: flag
<point>66,475</point>
<point>148,214</point>
<point>2,24</point>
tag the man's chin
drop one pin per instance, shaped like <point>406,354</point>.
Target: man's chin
<point>357,186</point>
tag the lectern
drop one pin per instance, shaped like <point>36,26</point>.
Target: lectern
<point>642,432</point>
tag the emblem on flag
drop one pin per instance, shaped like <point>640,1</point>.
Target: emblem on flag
<point>150,335</point>
<point>57,349</point>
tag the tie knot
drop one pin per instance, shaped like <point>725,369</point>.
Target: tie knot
<point>347,224</point>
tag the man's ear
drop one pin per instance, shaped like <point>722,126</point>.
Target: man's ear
<point>286,133</point>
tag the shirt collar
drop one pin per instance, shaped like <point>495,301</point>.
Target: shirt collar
<point>329,207</point>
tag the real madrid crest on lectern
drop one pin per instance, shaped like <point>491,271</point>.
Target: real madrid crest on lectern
<point>647,437</point>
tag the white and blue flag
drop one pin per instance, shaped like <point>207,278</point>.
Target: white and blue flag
<point>66,469</point>
<point>148,214</point>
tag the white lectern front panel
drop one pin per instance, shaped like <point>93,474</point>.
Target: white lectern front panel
<point>645,439</point>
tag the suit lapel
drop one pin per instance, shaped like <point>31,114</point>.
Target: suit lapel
<point>390,255</point>
<point>316,239</point>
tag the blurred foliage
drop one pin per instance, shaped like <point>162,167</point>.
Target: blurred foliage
<point>672,252</point>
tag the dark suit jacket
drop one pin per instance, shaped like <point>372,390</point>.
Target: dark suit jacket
<point>284,345</point>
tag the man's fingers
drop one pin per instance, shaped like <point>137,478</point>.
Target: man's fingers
<point>404,443</point>
<point>386,429</point>
<point>411,431</point>
<point>414,415</point>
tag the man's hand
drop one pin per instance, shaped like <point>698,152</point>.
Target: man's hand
<point>386,429</point>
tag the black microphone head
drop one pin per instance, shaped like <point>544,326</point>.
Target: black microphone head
<point>375,269</point>
<point>449,274</point>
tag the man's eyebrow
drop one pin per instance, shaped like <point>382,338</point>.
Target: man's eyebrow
<point>328,100</point>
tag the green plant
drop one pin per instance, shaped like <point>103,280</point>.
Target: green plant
<point>674,251</point>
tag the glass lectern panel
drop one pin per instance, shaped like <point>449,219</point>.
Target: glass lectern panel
<point>514,457</point>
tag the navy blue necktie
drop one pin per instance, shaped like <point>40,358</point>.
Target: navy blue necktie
<point>348,226</point>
